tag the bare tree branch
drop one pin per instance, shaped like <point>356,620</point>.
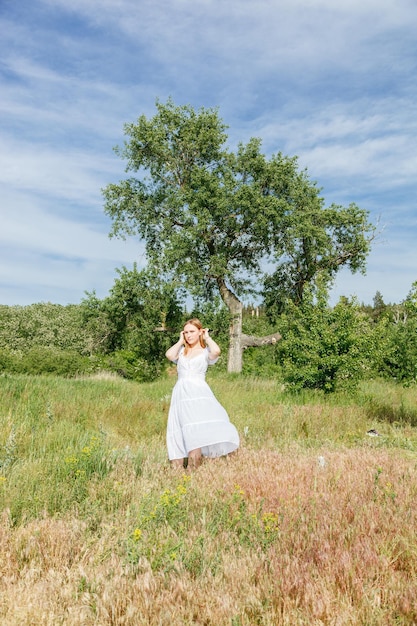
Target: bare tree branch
<point>249,341</point>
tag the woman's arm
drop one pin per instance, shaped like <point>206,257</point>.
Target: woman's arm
<point>214,349</point>
<point>173,352</point>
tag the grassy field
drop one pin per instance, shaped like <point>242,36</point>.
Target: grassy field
<point>312,522</point>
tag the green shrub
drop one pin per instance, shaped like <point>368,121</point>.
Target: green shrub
<point>325,348</point>
<point>127,364</point>
<point>42,360</point>
<point>399,358</point>
<point>262,362</point>
<point>6,361</point>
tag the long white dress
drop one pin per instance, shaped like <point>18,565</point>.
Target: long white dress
<point>196,419</point>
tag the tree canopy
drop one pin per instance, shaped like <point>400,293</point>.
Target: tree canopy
<point>214,219</point>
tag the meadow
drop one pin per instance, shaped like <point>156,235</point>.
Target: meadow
<point>312,522</point>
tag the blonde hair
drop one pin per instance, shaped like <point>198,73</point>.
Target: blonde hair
<point>195,322</point>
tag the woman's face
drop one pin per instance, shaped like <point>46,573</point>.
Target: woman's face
<point>192,334</point>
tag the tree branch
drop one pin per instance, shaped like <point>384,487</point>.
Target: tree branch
<point>249,341</point>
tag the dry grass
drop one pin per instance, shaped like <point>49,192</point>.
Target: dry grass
<point>311,523</point>
<point>300,537</point>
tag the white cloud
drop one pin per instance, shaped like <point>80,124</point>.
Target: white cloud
<point>27,277</point>
<point>329,81</point>
<point>44,256</point>
<point>248,41</point>
<point>34,229</point>
<point>369,147</point>
<point>60,173</point>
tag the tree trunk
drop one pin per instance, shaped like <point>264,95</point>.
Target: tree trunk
<point>234,362</point>
<point>237,341</point>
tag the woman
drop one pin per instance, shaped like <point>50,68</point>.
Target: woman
<point>198,425</point>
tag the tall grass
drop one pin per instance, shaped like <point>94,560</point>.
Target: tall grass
<point>312,522</point>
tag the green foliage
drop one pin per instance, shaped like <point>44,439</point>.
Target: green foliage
<point>137,317</point>
<point>43,338</point>
<point>396,338</point>
<point>261,361</point>
<point>325,348</point>
<point>43,324</point>
<point>210,217</point>
<point>44,360</point>
<point>6,361</point>
<point>399,358</point>
<point>315,243</point>
<point>128,332</point>
<point>214,315</point>
<point>127,364</point>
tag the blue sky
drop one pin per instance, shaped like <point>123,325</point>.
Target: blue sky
<point>331,82</point>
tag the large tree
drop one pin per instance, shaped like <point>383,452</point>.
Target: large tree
<point>213,219</point>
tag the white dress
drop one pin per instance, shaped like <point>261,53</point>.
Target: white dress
<point>196,419</point>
